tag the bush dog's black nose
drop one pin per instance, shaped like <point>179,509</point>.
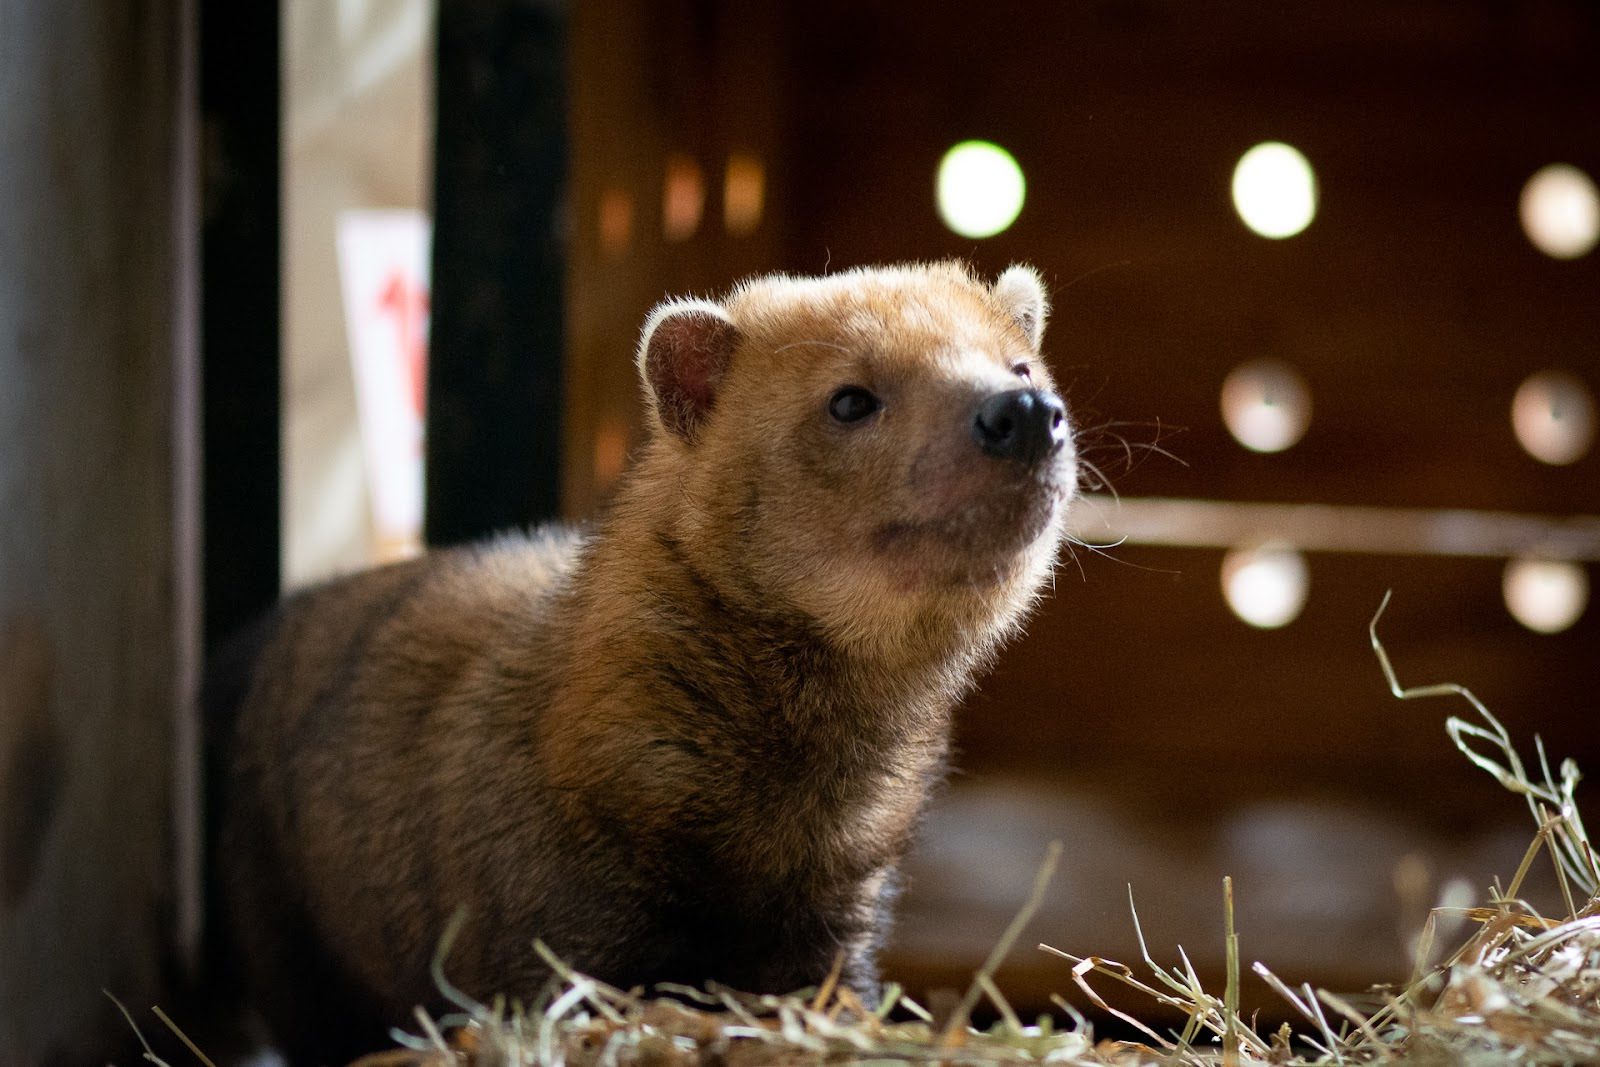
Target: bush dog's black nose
<point>1023,424</point>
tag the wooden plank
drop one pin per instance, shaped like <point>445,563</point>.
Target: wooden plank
<point>90,354</point>
<point>1139,662</point>
<point>1105,519</point>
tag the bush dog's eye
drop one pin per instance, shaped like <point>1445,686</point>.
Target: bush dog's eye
<point>1023,371</point>
<point>852,404</point>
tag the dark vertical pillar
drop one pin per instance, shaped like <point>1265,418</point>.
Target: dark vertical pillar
<point>93,357</point>
<point>496,345</point>
<point>240,336</point>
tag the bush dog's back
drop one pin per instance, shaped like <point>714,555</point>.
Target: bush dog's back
<point>693,744</point>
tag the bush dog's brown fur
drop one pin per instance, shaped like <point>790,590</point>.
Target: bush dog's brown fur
<point>691,745</point>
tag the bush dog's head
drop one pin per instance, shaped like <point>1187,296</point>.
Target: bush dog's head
<point>881,451</point>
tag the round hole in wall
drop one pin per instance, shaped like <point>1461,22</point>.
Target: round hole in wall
<point>979,189</point>
<point>1560,211</point>
<point>1553,417</point>
<point>1547,596</point>
<point>1275,190</point>
<point>1266,405</point>
<point>1265,585</point>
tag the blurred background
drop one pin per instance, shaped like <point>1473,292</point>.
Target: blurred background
<point>298,289</point>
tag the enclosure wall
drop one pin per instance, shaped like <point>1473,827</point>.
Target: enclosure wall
<point>91,349</point>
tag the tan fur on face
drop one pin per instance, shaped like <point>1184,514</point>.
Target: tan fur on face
<point>929,340</point>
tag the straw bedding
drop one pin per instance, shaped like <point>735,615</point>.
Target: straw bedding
<point>1523,986</point>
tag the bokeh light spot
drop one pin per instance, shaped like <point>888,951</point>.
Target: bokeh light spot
<point>1553,417</point>
<point>1266,405</point>
<point>980,189</point>
<point>1266,585</point>
<point>744,186</point>
<point>683,198</point>
<point>1560,211</point>
<point>1547,596</point>
<point>616,221</point>
<point>1275,190</point>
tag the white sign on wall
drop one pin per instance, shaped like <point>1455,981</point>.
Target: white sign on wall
<point>383,267</point>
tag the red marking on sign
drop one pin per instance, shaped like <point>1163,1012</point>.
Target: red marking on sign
<point>407,302</point>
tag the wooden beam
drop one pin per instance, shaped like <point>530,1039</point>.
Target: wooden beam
<point>91,357</point>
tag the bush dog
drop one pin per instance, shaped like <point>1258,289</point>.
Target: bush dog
<point>691,744</point>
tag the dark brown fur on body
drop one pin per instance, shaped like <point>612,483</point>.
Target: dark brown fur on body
<point>692,746</point>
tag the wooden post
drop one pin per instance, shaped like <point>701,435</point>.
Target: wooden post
<point>95,598</point>
<point>495,346</point>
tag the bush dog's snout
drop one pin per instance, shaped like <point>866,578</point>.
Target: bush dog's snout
<point>1022,424</point>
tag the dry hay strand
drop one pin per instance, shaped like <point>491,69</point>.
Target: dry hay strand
<point>581,1021</point>
<point>1522,987</point>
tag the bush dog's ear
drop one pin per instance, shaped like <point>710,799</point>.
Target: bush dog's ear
<point>1021,292</point>
<point>684,351</point>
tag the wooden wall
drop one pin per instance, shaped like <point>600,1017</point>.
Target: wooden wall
<point>1413,305</point>
<point>96,618</point>
<point>1169,742</point>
